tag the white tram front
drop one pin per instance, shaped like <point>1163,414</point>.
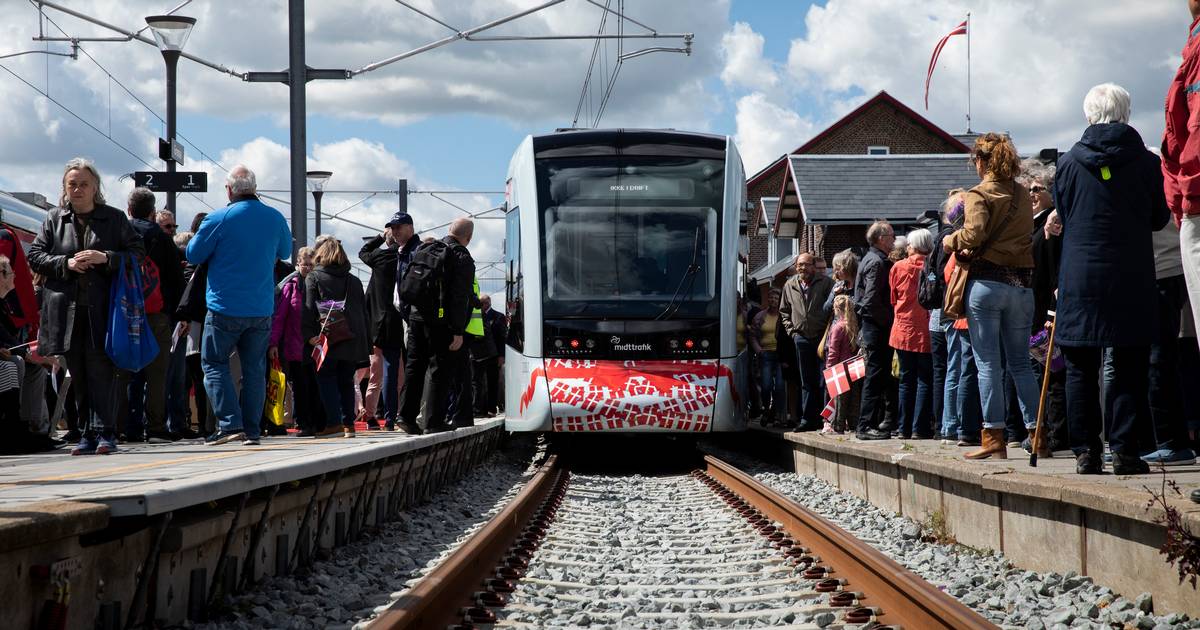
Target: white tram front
<point>621,267</point>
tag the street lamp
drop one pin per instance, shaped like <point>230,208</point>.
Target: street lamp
<point>316,183</point>
<point>171,33</point>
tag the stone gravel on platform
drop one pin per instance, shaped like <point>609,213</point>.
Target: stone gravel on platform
<point>987,582</point>
<point>362,578</point>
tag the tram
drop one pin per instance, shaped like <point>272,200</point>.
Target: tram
<point>24,218</point>
<point>621,266</point>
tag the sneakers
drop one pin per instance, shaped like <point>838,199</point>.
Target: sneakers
<point>348,432</point>
<point>161,437</point>
<point>250,441</point>
<point>107,444</point>
<point>87,446</point>
<point>873,434</point>
<point>1129,465</point>
<point>1171,457</point>
<point>827,429</point>
<point>224,437</point>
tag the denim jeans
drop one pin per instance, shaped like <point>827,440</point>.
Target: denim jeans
<point>1000,316</point>
<point>916,383</point>
<point>937,339</point>
<point>772,384</point>
<point>811,383</point>
<point>336,382</point>
<point>393,363</point>
<point>960,407</point>
<point>249,336</point>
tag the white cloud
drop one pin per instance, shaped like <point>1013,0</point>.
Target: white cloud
<point>1032,61</point>
<point>766,130</point>
<point>745,65</point>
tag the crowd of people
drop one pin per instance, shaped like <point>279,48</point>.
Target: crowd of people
<point>1051,289</point>
<point>228,315</point>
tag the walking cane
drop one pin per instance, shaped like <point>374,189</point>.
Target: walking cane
<point>1037,431</point>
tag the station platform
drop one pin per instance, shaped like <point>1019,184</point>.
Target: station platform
<point>149,479</point>
<point>1046,518</point>
<point>162,531</point>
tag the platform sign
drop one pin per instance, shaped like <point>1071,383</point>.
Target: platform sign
<point>170,151</point>
<point>182,181</point>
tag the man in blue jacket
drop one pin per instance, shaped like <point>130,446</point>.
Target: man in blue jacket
<point>240,244</point>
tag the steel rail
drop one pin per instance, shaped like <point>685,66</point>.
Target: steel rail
<point>904,597</point>
<point>436,601</point>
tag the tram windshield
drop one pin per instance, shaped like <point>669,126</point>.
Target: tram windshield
<point>630,236</point>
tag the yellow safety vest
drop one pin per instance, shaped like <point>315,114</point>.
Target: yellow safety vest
<point>475,326</point>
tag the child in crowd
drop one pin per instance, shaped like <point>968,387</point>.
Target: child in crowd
<point>841,345</point>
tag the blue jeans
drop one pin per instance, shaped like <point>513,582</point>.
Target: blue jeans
<point>937,340</point>
<point>916,396</point>
<point>1000,316</point>
<point>335,379</point>
<point>393,362</point>
<point>249,336</point>
<point>772,384</point>
<point>960,405</point>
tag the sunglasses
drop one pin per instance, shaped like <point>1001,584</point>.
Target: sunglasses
<point>170,226</point>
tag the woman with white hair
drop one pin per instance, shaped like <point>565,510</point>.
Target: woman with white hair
<point>1109,195</point>
<point>910,338</point>
<point>76,250</point>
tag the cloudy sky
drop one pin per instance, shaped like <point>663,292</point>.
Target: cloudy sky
<point>770,72</point>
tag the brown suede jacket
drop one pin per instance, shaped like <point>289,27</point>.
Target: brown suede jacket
<point>987,205</point>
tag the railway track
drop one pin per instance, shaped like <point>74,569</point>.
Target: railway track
<point>711,549</point>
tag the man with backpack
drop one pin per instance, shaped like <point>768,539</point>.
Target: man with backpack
<point>436,288</point>
<point>388,256</point>
<point>162,281</point>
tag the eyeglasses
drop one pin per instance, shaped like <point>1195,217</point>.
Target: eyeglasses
<point>1037,188</point>
<point>169,226</point>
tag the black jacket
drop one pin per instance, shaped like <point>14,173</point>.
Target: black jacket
<point>108,231</point>
<point>1047,254</point>
<point>336,283</point>
<point>193,303</point>
<point>1109,193</point>
<point>458,288</point>
<point>491,344</point>
<point>386,325</point>
<point>161,249</point>
<point>872,297</point>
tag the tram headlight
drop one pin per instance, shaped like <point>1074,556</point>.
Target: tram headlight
<point>704,343</point>
<point>558,343</point>
<point>591,343</point>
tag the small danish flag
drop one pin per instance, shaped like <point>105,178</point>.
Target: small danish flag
<point>827,412</point>
<point>836,381</point>
<point>856,368</point>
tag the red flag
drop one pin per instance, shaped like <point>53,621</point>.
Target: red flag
<point>827,412</point>
<point>856,368</point>
<point>961,29</point>
<point>320,351</point>
<point>836,381</point>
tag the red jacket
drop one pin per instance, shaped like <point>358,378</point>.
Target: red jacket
<point>1181,142</point>
<point>911,329</point>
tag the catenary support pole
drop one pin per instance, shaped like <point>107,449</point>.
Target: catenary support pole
<point>297,81</point>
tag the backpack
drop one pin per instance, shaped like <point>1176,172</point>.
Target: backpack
<point>421,286</point>
<point>931,288</point>
<point>151,286</point>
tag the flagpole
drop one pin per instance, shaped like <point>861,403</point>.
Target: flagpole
<point>969,72</point>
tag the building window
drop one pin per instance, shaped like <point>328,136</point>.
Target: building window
<point>879,150</point>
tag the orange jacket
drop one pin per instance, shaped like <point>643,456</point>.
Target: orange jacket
<point>910,331</point>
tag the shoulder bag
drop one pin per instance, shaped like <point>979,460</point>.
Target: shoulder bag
<point>334,324</point>
<point>955,304</point>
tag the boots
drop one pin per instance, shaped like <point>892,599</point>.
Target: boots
<point>993,445</point>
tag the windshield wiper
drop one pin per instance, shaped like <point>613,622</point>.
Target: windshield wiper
<point>689,277</point>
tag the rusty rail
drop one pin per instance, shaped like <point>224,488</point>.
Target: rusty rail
<point>901,597</point>
<point>438,599</point>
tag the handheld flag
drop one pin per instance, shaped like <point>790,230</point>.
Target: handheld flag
<point>961,29</point>
<point>320,351</point>
<point>836,381</point>
<point>856,368</point>
<point>827,412</point>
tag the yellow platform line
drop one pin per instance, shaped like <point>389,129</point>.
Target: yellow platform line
<point>144,466</point>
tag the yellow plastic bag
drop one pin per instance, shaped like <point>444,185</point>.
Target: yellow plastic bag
<point>276,388</point>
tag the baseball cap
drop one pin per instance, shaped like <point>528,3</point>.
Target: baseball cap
<point>400,218</point>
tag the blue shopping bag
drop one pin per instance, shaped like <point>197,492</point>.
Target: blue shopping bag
<point>129,342</point>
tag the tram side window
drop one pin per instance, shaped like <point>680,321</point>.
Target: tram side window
<point>514,291</point>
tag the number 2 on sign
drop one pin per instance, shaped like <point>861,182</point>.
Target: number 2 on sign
<point>149,181</point>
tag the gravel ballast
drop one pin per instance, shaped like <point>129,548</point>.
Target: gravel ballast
<point>988,583</point>
<point>363,577</point>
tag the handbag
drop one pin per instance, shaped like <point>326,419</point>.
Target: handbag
<point>129,342</point>
<point>276,389</point>
<point>335,326</point>
<point>955,301</point>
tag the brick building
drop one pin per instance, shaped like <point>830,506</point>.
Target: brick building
<point>883,128</point>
